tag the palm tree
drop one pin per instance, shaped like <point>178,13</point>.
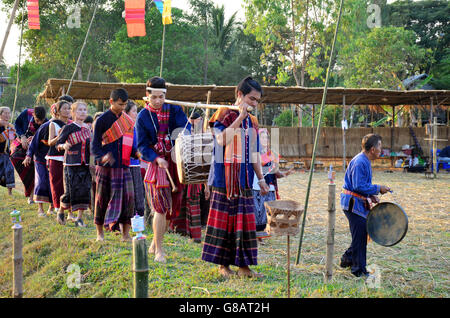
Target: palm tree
<point>223,31</point>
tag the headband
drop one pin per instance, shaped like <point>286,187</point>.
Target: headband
<point>161,90</point>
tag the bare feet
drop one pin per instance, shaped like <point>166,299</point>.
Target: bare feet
<point>247,272</point>
<point>160,257</point>
<point>126,238</point>
<point>100,238</point>
<point>225,271</point>
<point>151,249</point>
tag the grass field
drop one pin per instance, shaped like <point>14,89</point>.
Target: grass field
<point>416,267</point>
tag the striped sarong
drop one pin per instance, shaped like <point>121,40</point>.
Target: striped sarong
<point>260,209</point>
<point>188,221</point>
<point>231,231</point>
<point>26,174</point>
<point>139,191</point>
<point>77,188</point>
<point>56,176</point>
<point>42,191</point>
<point>114,200</point>
<point>6,172</point>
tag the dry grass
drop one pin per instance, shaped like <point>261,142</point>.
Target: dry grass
<point>416,267</point>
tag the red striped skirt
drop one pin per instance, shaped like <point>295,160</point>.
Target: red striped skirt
<point>231,231</point>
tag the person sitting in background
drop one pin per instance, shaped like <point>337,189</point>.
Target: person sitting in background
<point>444,155</point>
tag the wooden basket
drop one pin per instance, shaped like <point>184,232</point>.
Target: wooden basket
<point>283,217</point>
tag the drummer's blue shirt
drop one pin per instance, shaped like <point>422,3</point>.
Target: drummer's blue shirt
<point>358,179</point>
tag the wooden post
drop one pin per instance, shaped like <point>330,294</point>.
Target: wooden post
<point>140,268</point>
<point>331,227</point>
<point>17,261</point>
<point>392,134</point>
<point>434,134</point>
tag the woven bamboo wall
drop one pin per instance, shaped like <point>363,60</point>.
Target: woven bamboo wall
<point>297,142</point>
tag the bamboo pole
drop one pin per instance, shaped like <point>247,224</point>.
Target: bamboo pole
<point>140,268</point>
<point>316,141</point>
<point>344,163</point>
<point>17,261</point>
<point>288,267</point>
<point>200,105</point>
<point>8,28</point>
<point>331,227</point>
<point>162,51</point>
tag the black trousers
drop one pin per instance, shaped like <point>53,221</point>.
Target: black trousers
<point>356,253</point>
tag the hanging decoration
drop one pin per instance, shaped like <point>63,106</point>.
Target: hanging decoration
<point>135,17</point>
<point>167,12</point>
<point>159,5</point>
<point>33,14</point>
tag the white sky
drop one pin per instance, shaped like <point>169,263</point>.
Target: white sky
<point>11,54</point>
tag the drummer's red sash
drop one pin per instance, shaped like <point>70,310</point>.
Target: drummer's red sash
<point>122,127</point>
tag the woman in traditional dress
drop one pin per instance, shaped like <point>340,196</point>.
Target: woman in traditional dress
<point>54,157</point>
<point>7,134</point>
<point>26,125</point>
<point>36,153</point>
<point>74,139</point>
<point>270,168</point>
<point>231,231</point>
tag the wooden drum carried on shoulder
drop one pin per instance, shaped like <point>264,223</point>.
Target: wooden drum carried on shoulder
<point>193,157</point>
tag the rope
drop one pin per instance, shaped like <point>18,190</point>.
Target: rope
<point>82,48</point>
<point>18,67</point>
<point>324,97</point>
<point>162,50</point>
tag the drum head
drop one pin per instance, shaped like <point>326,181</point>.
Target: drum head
<point>387,223</point>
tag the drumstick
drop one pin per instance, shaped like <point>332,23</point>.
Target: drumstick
<point>174,187</point>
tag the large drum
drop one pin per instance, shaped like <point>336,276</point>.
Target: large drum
<point>193,157</point>
<point>387,223</point>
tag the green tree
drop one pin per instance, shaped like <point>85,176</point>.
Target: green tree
<point>385,57</point>
<point>286,119</point>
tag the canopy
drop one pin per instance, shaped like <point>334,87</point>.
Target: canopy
<point>272,94</point>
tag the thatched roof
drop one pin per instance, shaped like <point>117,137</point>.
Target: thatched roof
<point>272,94</point>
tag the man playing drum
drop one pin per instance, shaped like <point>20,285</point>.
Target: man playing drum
<point>156,126</point>
<point>231,229</point>
<point>356,197</point>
